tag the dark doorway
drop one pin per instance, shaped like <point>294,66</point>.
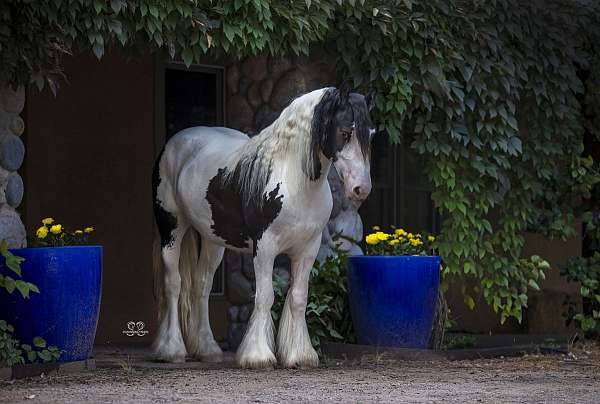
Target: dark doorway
<point>194,97</point>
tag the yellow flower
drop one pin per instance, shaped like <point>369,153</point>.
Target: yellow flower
<point>42,232</point>
<point>382,236</point>
<point>78,232</point>
<point>410,235</point>
<point>56,229</point>
<point>88,229</point>
<point>376,228</point>
<point>47,221</point>
<point>393,242</point>
<point>372,239</point>
<point>430,238</point>
<point>416,242</point>
<point>400,232</point>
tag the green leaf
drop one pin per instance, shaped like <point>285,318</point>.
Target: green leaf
<point>39,342</point>
<point>533,284</point>
<point>188,56</point>
<point>470,302</point>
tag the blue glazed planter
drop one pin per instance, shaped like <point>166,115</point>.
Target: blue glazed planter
<point>392,299</point>
<point>65,312</point>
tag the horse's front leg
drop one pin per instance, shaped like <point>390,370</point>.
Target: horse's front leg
<point>256,349</point>
<point>293,341</point>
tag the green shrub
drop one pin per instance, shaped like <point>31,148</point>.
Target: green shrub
<point>586,271</point>
<point>12,352</point>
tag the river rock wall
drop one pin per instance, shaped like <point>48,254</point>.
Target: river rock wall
<point>12,153</point>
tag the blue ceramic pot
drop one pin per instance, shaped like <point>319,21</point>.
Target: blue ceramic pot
<point>393,299</point>
<point>65,312</point>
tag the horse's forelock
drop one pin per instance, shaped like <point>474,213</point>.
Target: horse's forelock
<point>322,138</point>
<point>362,126</point>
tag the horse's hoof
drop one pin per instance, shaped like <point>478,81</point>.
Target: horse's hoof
<point>257,362</point>
<point>170,353</point>
<point>303,361</point>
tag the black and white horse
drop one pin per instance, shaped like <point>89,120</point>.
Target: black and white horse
<point>216,188</point>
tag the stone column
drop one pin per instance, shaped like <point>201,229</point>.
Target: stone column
<point>12,152</point>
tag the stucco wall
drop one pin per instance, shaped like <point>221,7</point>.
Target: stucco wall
<point>90,153</point>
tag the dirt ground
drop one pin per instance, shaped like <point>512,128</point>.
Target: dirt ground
<point>573,378</point>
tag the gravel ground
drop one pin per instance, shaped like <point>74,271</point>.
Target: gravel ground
<point>573,378</point>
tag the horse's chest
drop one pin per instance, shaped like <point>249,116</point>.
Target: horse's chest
<point>238,223</point>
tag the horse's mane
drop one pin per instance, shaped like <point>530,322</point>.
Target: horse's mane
<point>289,139</point>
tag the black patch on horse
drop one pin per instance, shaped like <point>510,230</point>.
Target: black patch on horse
<point>165,221</point>
<point>235,218</point>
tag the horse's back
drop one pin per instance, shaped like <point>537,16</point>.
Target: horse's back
<point>201,138</point>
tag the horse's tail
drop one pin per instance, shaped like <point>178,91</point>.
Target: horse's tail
<point>159,275</point>
<point>188,262</point>
<point>188,267</point>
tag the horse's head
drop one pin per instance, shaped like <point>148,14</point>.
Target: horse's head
<point>344,131</point>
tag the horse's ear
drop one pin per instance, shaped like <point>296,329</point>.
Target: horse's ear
<point>370,101</point>
<point>344,94</point>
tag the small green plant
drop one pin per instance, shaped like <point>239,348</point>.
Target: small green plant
<point>327,310</point>
<point>586,271</point>
<point>13,263</point>
<point>459,341</point>
<point>12,352</point>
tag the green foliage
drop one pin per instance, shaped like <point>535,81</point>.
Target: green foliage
<point>13,263</point>
<point>459,341</point>
<point>11,351</point>
<point>586,271</point>
<point>486,91</point>
<point>36,36</point>
<point>327,310</point>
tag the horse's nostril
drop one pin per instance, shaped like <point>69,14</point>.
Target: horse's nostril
<point>356,191</point>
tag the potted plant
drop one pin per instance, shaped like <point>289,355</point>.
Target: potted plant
<point>393,289</point>
<point>64,308</point>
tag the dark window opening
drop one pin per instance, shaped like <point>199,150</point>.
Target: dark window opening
<point>401,194</point>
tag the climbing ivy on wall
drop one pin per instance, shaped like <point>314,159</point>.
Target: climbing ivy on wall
<point>487,91</point>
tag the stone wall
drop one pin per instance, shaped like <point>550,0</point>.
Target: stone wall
<point>12,152</point>
<point>258,88</point>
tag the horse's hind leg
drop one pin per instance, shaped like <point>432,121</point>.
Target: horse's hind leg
<point>169,345</point>
<point>200,340</point>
